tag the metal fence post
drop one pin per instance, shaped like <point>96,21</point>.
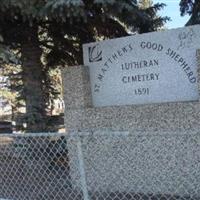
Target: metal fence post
<point>82,170</point>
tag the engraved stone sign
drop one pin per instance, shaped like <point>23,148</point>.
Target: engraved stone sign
<point>141,69</point>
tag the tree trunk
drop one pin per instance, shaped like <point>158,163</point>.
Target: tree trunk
<point>33,82</point>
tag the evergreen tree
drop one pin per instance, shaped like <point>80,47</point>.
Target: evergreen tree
<point>191,7</point>
<point>57,30</point>
<point>144,4</point>
<point>151,10</point>
<point>12,92</point>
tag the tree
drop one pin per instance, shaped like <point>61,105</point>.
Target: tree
<point>191,7</point>
<point>151,9</point>
<point>56,30</point>
<point>108,20</point>
<point>11,86</point>
<point>144,4</point>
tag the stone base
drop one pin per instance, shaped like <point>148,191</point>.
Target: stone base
<point>145,163</point>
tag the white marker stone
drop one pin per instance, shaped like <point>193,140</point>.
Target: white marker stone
<point>148,68</point>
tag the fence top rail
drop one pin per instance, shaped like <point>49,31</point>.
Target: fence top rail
<point>107,133</point>
<point>33,135</point>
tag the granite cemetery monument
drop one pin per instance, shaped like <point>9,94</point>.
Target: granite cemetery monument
<point>136,102</point>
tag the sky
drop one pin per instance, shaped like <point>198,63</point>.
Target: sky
<point>172,11</point>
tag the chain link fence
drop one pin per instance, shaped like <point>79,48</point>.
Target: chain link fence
<point>110,166</point>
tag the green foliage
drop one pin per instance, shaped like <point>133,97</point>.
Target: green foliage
<point>186,7</point>
<point>13,88</point>
<point>6,56</point>
<point>144,4</point>
<point>104,20</point>
<point>191,7</point>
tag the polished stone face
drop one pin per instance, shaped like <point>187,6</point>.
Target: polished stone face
<point>148,68</point>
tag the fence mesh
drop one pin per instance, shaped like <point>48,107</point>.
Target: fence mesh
<point>35,167</point>
<point>92,166</point>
